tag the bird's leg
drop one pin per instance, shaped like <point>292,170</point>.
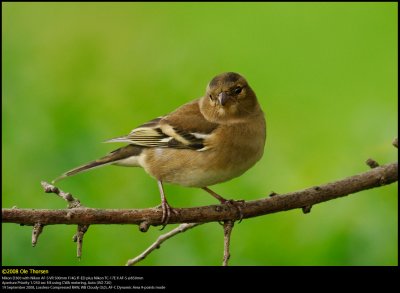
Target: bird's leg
<point>216,195</point>
<point>166,208</point>
<point>235,203</point>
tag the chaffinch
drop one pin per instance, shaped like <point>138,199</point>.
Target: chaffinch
<point>207,141</point>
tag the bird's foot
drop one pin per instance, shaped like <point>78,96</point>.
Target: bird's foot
<point>230,202</point>
<point>237,204</point>
<point>167,210</point>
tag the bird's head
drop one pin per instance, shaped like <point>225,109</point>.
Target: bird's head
<point>228,97</point>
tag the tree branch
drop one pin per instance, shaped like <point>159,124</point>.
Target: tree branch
<point>228,226</point>
<point>72,201</point>
<point>78,238</point>
<point>36,231</point>
<point>376,177</point>
<point>181,228</point>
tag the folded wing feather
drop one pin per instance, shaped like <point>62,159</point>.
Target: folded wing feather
<point>158,133</point>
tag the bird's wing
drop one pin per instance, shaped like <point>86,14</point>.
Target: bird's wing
<point>185,128</point>
<point>147,135</point>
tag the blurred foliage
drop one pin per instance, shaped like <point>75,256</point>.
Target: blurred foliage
<point>76,74</point>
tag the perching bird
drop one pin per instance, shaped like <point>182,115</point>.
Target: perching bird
<point>207,141</point>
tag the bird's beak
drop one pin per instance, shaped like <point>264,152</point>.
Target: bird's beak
<point>223,98</point>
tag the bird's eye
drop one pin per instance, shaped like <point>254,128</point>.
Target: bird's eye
<point>237,90</point>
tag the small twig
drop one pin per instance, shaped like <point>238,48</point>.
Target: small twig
<point>72,202</point>
<point>372,163</point>
<point>395,143</point>
<point>144,226</point>
<point>181,228</point>
<point>228,226</point>
<point>306,209</point>
<point>78,238</point>
<point>36,231</point>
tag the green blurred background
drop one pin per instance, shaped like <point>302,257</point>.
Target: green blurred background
<point>76,74</point>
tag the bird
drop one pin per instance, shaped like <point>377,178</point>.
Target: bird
<point>207,141</point>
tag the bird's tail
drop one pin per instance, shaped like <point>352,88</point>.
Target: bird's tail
<point>111,158</point>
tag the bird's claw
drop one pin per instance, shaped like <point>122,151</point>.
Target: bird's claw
<point>166,214</point>
<point>238,205</point>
